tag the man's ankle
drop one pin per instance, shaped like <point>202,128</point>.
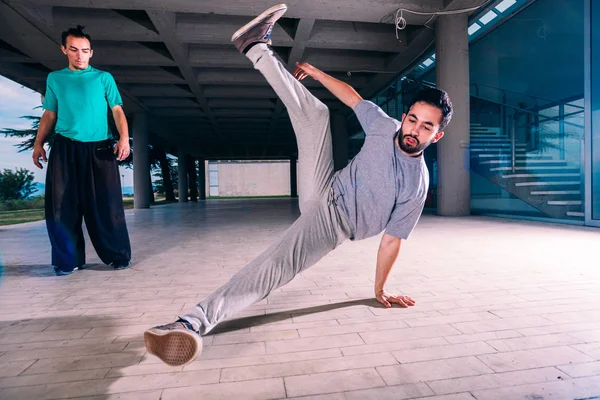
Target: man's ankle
<point>194,325</point>
<point>247,49</point>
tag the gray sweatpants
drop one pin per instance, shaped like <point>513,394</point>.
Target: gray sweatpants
<point>321,226</point>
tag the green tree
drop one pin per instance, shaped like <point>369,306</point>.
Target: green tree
<point>16,185</point>
<point>168,169</point>
<point>158,156</point>
<point>28,135</point>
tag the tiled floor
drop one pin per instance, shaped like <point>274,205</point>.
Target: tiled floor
<point>505,310</point>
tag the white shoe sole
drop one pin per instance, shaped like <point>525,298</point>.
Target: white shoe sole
<point>264,15</point>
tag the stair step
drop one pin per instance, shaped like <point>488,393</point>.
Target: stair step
<point>495,146</point>
<point>540,175</point>
<point>484,129</point>
<point>477,134</point>
<point>496,142</point>
<point>507,161</point>
<point>489,139</point>
<point>565,183</point>
<point>564,202</point>
<point>525,156</point>
<point>498,150</point>
<point>575,214</point>
<point>554,192</point>
<point>537,168</point>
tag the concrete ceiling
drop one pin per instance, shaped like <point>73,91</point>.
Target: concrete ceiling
<point>174,60</point>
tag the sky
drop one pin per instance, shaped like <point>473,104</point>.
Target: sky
<point>17,101</point>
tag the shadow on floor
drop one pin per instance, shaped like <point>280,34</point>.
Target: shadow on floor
<point>46,270</point>
<point>63,357</point>
<point>248,322</point>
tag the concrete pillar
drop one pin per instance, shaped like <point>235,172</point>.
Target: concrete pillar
<point>201,179</point>
<point>339,132</point>
<point>294,176</point>
<point>452,69</point>
<point>141,162</point>
<point>183,176</point>
<point>192,178</point>
<point>150,187</point>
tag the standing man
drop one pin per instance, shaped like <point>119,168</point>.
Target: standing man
<point>383,188</point>
<point>83,175</point>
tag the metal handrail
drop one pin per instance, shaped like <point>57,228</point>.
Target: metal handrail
<point>504,91</point>
<point>430,84</point>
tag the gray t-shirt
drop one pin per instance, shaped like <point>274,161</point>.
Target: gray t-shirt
<point>381,188</point>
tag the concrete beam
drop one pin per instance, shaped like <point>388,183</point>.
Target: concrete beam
<point>129,54</point>
<point>166,24</point>
<point>243,113</point>
<point>340,10</point>
<point>13,57</point>
<point>207,56</point>
<point>159,91</point>
<point>214,29</point>
<point>245,92</point>
<point>344,60</point>
<point>244,126</point>
<point>305,27</point>
<point>417,46</point>
<point>423,40</point>
<point>241,77</point>
<point>244,120</point>
<point>153,75</point>
<point>178,112</point>
<point>171,102</point>
<point>40,16</point>
<point>256,92</point>
<point>24,75</point>
<point>103,24</point>
<point>35,40</point>
<point>347,35</point>
<point>242,103</point>
<point>31,41</point>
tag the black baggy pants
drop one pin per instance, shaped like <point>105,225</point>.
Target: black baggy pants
<point>83,181</point>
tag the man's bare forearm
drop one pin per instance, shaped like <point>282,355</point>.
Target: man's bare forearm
<point>344,92</point>
<point>386,256</point>
<point>46,125</point>
<point>121,122</point>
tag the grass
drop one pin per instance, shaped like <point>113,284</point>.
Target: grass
<point>37,214</point>
<point>22,216</point>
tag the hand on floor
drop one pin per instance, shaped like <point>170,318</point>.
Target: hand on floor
<point>388,299</point>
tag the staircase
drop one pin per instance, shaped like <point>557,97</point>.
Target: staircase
<point>550,185</point>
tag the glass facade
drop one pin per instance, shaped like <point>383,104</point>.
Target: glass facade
<point>594,91</point>
<point>528,109</point>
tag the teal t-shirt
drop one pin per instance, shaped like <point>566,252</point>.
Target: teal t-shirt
<point>81,100</point>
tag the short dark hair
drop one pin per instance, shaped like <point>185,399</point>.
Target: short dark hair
<point>437,98</point>
<point>77,32</point>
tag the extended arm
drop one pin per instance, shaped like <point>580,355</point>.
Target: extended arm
<point>47,123</point>
<point>122,148</point>
<point>344,92</point>
<point>386,256</point>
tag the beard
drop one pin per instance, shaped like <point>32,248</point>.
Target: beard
<point>411,149</point>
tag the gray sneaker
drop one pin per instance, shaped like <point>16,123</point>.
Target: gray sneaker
<point>259,29</point>
<point>176,343</point>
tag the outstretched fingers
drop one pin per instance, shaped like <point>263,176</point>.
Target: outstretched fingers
<point>402,301</point>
